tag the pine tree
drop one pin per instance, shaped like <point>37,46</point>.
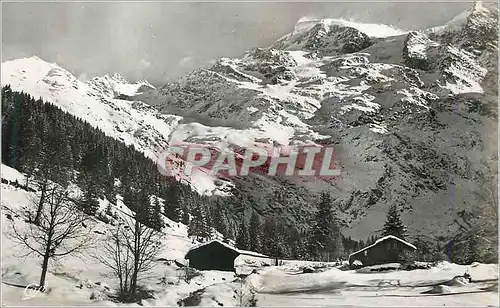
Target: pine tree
<point>172,206</point>
<point>157,219</point>
<point>272,238</point>
<point>322,231</point>
<point>198,227</point>
<point>394,224</point>
<point>129,198</point>
<point>242,238</point>
<point>255,243</point>
<point>219,217</point>
<point>89,203</point>
<point>109,211</point>
<point>326,239</point>
<point>109,189</point>
<point>268,236</point>
<point>185,218</point>
<point>142,208</point>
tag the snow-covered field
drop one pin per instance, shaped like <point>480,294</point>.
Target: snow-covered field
<point>278,286</point>
<point>76,279</point>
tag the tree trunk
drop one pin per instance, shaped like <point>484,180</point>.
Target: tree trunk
<point>47,254</point>
<point>46,257</point>
<point>135,274</point>
<point>40,204</point>
<point>45,266</point>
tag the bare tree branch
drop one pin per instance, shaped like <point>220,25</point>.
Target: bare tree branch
<point>59,223</point>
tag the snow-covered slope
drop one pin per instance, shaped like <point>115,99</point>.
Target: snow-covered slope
<point>132,122</point>
<point>100,102</point>
<point>79,278</point>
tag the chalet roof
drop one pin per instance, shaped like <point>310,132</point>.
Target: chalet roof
<point>239,251</point>
<point>252,253</point>
<point>381,240</point>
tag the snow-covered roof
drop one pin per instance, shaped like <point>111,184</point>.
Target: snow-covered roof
<point>384,239</point>
<point>252,253</point>
<point>239,251</point>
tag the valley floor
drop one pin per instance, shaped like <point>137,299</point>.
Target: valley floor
<point>280,287</point>
<point>397,288</point>
<point>81,280</point>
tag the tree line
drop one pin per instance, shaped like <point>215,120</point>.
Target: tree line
<point>50,145</point>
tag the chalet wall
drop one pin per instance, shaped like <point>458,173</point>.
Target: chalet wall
<point>212,257</point>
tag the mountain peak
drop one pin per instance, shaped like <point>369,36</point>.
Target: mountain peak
<point>305,24</point>
<point>474,29</point>
<point>115,77</point>
<point>34,57</point>
<point>114,85</point>
<point>333,36</point>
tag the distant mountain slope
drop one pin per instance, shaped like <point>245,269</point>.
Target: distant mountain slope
<point>105,102</point>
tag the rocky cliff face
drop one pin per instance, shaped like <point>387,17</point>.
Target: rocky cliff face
<point>412,116</point>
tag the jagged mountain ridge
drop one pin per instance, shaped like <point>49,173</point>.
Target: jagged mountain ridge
<point>401,110</point>
<point>391,104</point>
<point>115,86</point>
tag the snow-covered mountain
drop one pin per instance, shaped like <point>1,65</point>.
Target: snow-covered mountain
<point>329,35</point>
<point>400,108</point>
<point>105,102</point>
<point>115,85</point>
<point>411,115</point>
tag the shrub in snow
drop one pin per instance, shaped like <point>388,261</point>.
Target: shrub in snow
<point>409,266</point>
<point>356,264</point>
<point>439,289</point>
<point>187,273</point>
<point>98,295</point>
<point>458,281</point>
<point>102,217</point>
<point>194,299</point>
<point>145,292</point>
<point>307,269</point>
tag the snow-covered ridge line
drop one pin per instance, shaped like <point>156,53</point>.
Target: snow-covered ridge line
<point>115,84</point>
<point>373,30</point>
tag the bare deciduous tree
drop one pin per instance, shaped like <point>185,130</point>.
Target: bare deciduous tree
<point>60,230</point>
<point>130,253</point>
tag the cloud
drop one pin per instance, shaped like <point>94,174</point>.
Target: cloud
<point>83,77</point>
<point>186,61</point>
<point>145,63</point>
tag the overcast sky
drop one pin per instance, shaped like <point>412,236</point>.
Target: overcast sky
<point>157,41</point>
